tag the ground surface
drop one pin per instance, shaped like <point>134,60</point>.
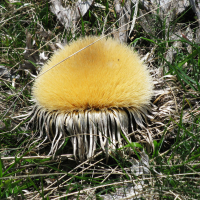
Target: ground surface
<point>165,158</point>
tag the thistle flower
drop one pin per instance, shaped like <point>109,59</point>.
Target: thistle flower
<point>92,96</point>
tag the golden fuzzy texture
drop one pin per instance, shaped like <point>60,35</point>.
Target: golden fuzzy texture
<point>107,74</point>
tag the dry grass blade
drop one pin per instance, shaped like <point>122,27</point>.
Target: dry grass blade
<point>134,17</point>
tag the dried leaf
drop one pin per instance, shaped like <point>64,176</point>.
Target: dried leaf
<point>70,15</point>
<point>124,14</point>
<point>4,72</point>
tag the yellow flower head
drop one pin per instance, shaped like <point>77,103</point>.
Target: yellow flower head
<point>92,95</point>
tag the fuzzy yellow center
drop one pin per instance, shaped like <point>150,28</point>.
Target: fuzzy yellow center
<point>106,74</point>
